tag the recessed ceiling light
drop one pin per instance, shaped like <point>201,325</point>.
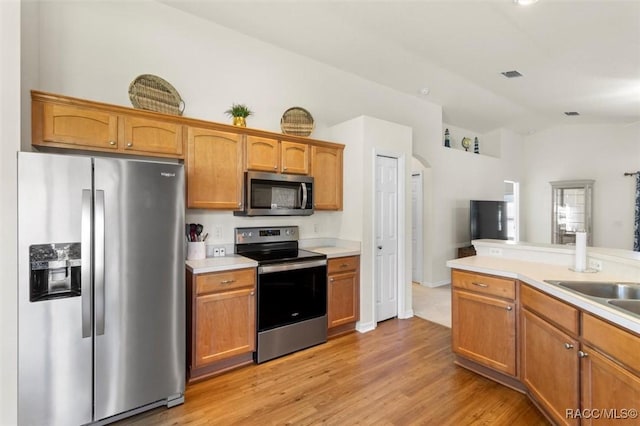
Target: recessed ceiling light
<point>424,91</point>
<point>511,74</point>
<point>571,113</point>
<point>524,2</point>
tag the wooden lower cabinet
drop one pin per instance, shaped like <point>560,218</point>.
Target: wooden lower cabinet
<point>221,319</point>
<point>550,367</point>
<point>571,363</point>
<point>607,386</point>
<point>483,324</point>
<point>343,294</point>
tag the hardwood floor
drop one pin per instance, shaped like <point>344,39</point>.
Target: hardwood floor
<point>402,373</point>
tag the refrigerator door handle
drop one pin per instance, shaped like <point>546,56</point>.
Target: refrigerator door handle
<point>85,268</point>
<point>99,261</point>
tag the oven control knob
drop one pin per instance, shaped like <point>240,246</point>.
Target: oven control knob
<point>249,234</point>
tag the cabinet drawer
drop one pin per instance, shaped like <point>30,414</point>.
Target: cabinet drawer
<point>554,310</point>
<point>620,344</point>
<point>224,281</point>
<point>486,284</point>
<point>342,264</point>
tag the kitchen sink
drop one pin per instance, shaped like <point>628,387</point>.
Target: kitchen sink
<point>605,290</point>
<point>632,306</point>
<point>618,295</point>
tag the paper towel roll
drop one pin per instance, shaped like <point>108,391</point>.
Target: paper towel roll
<point>581,251</point>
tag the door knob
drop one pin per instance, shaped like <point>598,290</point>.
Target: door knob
<point>379,247</point>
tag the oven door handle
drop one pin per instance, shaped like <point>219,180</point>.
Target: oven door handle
<point>283,267</point>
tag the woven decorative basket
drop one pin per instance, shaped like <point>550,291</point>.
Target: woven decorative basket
<point>152,93</point>
<point>297,121</point>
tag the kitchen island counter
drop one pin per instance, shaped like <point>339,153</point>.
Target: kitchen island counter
<point>535,274</point>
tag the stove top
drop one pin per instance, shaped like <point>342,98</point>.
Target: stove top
<point>282,256</point>
<point>268,245</point>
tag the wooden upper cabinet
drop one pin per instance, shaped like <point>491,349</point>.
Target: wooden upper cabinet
<point>326,169</point>
<point>271,155</point>
<point>64,125</point>
<point>152,136</point>
<point>294,158</point>
<point>63,122</point>
<point>214,169</point>
<point>263,154</point>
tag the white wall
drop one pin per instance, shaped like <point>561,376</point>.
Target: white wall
<point>600,152</point>
<point>378,137</point>
<point>9,145</point>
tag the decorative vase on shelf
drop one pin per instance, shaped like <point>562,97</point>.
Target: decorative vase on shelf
<point>447,141</point>
<point>239,114</point>
<point>240,121</point>
<point>476,146</point>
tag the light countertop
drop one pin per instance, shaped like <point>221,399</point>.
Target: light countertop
<point>334,251</point>
<point>218,264</point>
<point>534,274</point>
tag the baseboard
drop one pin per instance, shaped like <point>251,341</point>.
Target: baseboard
<point>406,315</point>
<point>365,327</point>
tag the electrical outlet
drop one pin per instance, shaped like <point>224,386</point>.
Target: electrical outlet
<point>209,250</point>
<point>222,251</point>
<point>216,251</point>
<point>595,264</point>
<point>495,252</point>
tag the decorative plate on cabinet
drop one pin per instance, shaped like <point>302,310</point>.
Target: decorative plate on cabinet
<point>152,93</point>
<point>297,121</point>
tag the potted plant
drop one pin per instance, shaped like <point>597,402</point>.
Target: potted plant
<point>239,113</point>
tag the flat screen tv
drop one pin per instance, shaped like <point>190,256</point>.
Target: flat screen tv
<point>488,219</point>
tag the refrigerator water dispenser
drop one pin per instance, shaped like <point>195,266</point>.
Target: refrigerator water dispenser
<point>54,271</point>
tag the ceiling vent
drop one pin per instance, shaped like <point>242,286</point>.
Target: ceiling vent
<point>511,74</point>
<point>571,113</point>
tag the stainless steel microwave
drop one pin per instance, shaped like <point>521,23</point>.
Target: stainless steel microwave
<point>271,194</point>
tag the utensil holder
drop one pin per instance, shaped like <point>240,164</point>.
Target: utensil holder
<point>196,250</point>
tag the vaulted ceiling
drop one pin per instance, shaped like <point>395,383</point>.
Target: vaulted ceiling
<point>579,55</point>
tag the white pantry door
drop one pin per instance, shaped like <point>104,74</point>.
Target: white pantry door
<point>386,223</point>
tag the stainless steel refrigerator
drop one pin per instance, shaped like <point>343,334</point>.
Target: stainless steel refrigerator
<point>101,298</point>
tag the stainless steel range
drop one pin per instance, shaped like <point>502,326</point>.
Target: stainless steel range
<point>292,290</point>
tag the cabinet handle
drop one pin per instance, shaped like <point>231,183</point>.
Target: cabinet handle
<point>239,204</point>
<point>275,167</point>
<point>509,308</point>
<point>331,279</point>
<point>129,144</point>
<point>252,293</point>
<point>344,265</point>
<point>284,168</point>
<point>479,284</point>
<point>112,143</point>
<point>582,354</point>
<point>227,281</point>
<point>568,346</point>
